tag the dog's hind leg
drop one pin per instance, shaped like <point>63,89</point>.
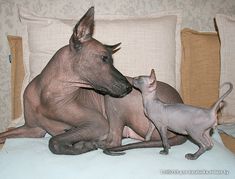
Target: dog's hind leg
<point>23,131</point>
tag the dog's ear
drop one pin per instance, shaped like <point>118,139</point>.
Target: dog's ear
<point>113,48</point>
<point>83,30</point>
<point>152,80</point>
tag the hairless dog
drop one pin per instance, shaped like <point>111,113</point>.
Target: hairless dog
<point>183,119</point>
<point>84,102</point>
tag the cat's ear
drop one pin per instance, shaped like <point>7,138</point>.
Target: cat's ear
<point>152,80</point>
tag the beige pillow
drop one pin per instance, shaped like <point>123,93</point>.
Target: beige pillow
<point>147,42</point>
<point>17,74</point>
<point>200,68</point>
<point>226,27</point>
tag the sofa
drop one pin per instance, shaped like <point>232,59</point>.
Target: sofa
<point>190,61</point>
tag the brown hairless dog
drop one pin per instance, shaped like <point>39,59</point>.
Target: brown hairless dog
<point>84,102</point>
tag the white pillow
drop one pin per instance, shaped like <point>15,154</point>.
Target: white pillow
<point>226,27</point>
<point>147,42</point>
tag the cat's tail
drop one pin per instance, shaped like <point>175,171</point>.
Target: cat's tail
<point>216,106</point>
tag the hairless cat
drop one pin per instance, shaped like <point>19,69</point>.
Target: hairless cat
<point>180,118</point>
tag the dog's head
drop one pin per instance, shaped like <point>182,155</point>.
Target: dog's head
<point>146,84</point>
<point>93,61</point>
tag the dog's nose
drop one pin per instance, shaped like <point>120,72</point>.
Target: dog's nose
<point>126,89</point>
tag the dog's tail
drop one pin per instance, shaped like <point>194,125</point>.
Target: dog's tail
<point>116,151</point>
<point>216,106</point>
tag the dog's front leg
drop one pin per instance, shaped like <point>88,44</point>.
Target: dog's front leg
<point>90,133</point>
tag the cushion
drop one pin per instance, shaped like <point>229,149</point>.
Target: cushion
<point>226,27</point>
<point>147,42</point>
<point>200,68</point>
<point>17,74</point>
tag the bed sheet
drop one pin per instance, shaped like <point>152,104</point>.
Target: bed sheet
<point>31,159</point>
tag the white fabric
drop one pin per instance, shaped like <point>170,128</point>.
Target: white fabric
<point>226,27</point>
<point>31,159</point>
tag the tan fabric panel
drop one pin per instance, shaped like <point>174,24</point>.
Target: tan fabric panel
<point>17,74</point>
<point>228,141</point>
<point>200,68</point>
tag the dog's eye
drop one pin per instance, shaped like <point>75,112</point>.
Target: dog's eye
<point>104,58</point>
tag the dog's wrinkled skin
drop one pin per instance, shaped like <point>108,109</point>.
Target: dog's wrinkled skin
<point>183,119</point>
<point>78,98</point>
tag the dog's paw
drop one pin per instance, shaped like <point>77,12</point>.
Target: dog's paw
<point>191,156</point>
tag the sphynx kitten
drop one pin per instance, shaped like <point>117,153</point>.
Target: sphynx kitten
<point>180,118</point>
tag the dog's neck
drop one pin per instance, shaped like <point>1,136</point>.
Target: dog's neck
<point>60,70</point>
